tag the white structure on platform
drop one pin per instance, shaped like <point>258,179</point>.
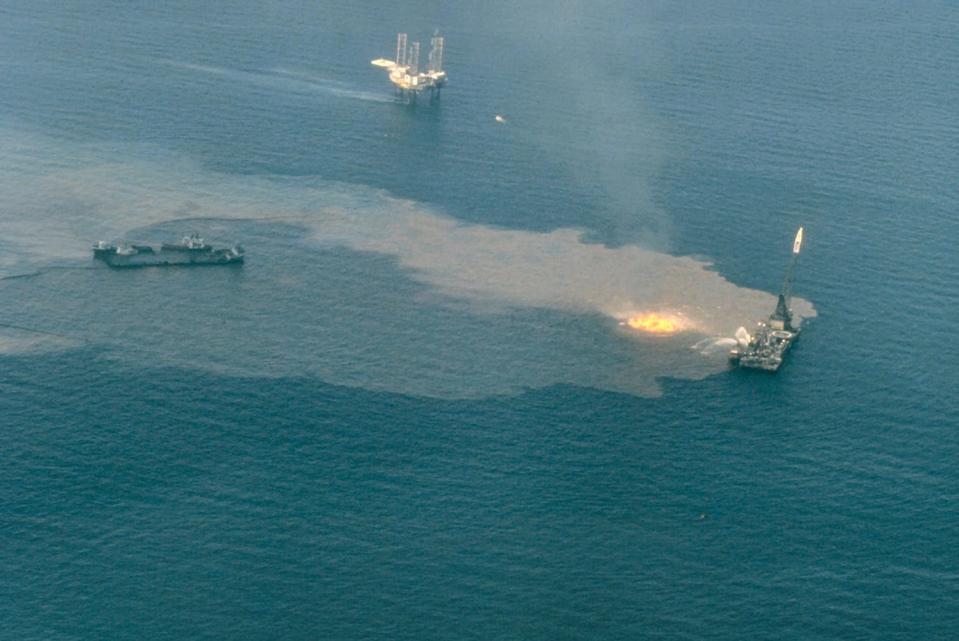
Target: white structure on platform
<point>404,71</point>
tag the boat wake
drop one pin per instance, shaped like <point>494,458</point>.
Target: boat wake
<point>16,341</point>
<point>282,79</point>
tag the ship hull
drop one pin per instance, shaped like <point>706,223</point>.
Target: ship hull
<point>120,262</point>
<point>166,256</point>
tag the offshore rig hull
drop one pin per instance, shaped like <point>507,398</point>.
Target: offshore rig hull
<point>767,346</point>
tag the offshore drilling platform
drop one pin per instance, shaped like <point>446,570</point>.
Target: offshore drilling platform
<point>765,349</point>
<point>405,75</point>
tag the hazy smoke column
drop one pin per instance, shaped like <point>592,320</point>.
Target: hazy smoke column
<point>613,144</point>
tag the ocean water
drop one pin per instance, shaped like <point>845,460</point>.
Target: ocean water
<point>414,412</point>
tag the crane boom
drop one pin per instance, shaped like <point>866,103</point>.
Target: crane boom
<point>783,315</point>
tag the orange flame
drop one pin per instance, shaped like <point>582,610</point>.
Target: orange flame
<point>654,323</point>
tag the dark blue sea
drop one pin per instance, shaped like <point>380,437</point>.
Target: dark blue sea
<point>415,412</point>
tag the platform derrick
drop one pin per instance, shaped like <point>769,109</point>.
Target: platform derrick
<point>404,72</point>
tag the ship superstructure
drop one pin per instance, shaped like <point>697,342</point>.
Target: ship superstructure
<point>404,71</point>
<point>191,250</point>
<point>766,347</point>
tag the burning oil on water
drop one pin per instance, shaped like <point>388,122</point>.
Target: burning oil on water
<point>654,323</point>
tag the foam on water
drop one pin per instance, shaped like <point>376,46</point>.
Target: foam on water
<point>111,192</point>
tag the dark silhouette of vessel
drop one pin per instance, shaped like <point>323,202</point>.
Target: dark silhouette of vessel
<point>191,250</point>
<point>771,339</point>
